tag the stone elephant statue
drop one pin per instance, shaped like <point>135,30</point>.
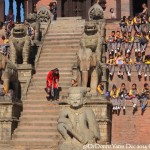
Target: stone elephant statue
<point>20,45</point>
<point>89,69</point>
<point>9,74</point>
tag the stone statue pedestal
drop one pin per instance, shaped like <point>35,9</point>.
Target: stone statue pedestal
<point>102,109</point>
<point>9,117</point>
<point>25,72</point>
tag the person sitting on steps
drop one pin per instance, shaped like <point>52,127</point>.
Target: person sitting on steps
<point>123,25</point>
<point>139,59</point>
<point>144,41</point>
<point>74,83</point>
<point>137,23</point>
<point>129,43</point>
<point>134,94</point>
<point>129,22</point>
<point>147,65</point>
<point>123,95</point>
<point>2,88</point>
<point>110,64</point>
<point>118,41</point>
<point>145,95</point>
<point>111,42</point>
<point>137,40</point>
<point>128,64</point>
<point>114,97</point>
<point>119,62</point>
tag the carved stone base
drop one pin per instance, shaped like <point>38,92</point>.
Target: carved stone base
<point>9,117</point>
<point>25,72</point>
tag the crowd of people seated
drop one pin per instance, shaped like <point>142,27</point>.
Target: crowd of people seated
<point>126,48</point>
<point>131,41</point>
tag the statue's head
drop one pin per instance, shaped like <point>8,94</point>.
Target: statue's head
<point>96,12</point>
<point>43,14</point>
<point>31,17</point>
<point>90,27</point>
<point>19,29</point>
<point>76,97</point>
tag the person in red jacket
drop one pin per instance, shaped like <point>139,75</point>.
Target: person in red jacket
<point>52,84</point>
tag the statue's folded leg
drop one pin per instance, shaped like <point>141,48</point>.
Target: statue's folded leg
<point>26,51</point>
<point>13,54</point>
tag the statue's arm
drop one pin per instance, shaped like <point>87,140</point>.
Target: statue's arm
<point>93,125</point>
<point>63,124</point>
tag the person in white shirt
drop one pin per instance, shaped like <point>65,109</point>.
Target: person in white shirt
<point>113,15</point>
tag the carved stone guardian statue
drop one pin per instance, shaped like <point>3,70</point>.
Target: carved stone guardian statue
<point>20,44</point>
<point>77,124</point>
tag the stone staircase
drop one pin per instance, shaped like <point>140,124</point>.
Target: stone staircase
<point>38,121</point>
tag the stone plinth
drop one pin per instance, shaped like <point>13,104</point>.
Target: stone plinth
<point>25,72</point>
<point>9,118</point>
<point>102,110</point>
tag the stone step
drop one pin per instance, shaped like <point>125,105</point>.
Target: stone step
<point>35,137</point>
<point>37,118</point>
<point>36,134</point>
<point>44,124</point>
<point>61,42</point>
<point>63,34</point>
<point>43,65</point>
<point>37,121</point>
<point>36,142</point>
<point>57,57</point>
<point>67,48</point>
<point>36,130</point>
<point>59,54</point>
<point>62,37</point>
<point>60,70</point>
<point>74,45</point>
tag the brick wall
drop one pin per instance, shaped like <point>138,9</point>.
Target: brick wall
<point>2,11</point>
<point>125,7</point>
<point>131,129</point>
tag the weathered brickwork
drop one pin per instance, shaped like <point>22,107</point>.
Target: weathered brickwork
<point>125,7</point>
<point>1,11</point>
<point>129,128</point>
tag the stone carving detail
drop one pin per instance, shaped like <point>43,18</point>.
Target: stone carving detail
<point>35,24</point>
<point>95,12</point>
<point>43,14</point>
<point>8,73</point>
<point>77,124</point>
<point>20,44</point>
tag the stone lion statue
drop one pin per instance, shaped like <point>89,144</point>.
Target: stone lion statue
<point>44,14</point>
<point>33,21</point>
<point>95,12</point>
<point>20,44</point>
<point>91,38</point>
<point>9,74</point>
